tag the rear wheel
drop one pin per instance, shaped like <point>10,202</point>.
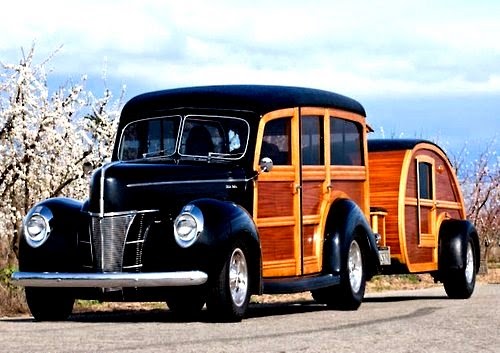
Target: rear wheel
<point>349,294</point>
<point>230,292</point>
<point>49,304</point>
<point>460,283</point>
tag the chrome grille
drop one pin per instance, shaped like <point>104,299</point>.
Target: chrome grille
<point>108,241</point>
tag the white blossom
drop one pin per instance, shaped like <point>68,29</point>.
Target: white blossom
<point>45,138</point>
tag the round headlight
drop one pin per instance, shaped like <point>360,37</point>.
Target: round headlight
<point>36,226</point>
<point>188,226</point>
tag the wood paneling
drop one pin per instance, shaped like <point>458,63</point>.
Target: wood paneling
<point>312,192</point>
<point>385,174</point>
<point>275,199</point>
<point>276,244</point>
<point>416,254</point>
<point>353,189</point>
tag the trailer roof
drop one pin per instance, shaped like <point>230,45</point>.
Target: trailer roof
<point>377,145</point>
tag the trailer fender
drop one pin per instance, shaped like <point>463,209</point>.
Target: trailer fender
<point>454,235</point>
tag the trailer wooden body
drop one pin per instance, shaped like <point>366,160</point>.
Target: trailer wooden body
<point>413,189</point>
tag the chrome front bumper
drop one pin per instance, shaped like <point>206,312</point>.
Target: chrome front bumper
<point>110,279</point>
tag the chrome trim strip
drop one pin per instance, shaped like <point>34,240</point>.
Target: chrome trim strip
<point>177,182</point>
<point>109,280</point>
<point>101,186</point>
<point>121,213</point>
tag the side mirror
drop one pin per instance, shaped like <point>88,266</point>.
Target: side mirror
<point>266,165</point>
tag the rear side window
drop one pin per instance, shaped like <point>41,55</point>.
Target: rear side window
<point>311,140</point>
<point>345,142</point>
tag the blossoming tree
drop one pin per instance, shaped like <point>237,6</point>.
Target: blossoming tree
<point>45,139</point>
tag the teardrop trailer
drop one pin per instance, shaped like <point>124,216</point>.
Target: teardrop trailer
<point>217,193</point>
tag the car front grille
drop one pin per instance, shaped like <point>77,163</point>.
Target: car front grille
<point>115,242</point>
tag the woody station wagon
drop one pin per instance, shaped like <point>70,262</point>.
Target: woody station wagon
<point>217,193</point>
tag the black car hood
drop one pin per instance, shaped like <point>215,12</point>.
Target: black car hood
<point>126,186</point>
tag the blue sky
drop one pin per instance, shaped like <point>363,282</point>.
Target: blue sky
<point>426,69</point>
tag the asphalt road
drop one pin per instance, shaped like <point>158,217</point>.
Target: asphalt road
<point>398,321</point>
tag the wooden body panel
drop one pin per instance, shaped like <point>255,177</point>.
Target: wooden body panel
<point>292,201</point>
<point>385,176</point>
<point>413,219</point>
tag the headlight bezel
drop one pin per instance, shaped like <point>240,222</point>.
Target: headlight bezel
<point>36,227</point>
<point>188,226</point>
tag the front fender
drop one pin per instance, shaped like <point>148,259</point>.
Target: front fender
<point>225,224</point>
<point>345,221</point>
<point>59,252</point>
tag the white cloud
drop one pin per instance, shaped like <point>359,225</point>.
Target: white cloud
<point>377,47</point>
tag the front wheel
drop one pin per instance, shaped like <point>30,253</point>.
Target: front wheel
<point>349,294</point>
<point>460,283</point>
<point>186,303</point>
<point>229,293</point>
<point>49,304</point>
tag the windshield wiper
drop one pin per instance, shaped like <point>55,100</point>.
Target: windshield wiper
<point>160,153</point>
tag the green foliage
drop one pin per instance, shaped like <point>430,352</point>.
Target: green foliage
<point>5,274</point>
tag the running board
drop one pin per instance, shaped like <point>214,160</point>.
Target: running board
<point>299,284</point>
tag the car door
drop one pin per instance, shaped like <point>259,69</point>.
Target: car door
<point>315,185</point>
<point>290,198</point>
<point>277,194</point>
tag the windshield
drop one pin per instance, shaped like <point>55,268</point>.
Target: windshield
<point>202,136</point>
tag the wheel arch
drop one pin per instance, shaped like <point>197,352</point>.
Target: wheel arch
<point>346,220</point>
<point>225,224</point>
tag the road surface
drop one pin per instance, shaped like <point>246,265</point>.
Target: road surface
<point>398,321</point>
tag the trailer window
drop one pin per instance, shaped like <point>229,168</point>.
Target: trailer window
<point>425,180</point>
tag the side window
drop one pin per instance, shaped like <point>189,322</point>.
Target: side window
<point>345,142</point>
<point>425,180</point>
<point>311,140</point>
<point>276,143</point>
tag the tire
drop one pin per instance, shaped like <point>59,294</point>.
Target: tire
<point>186,303</point>
<point>229,293</point>
<point>460,283</point>
<point>348,295</point>
<point>49,304</point>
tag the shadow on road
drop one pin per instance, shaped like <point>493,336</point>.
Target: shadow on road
<point>255,310</point>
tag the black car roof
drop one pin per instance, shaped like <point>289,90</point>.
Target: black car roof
<point>259,99</point>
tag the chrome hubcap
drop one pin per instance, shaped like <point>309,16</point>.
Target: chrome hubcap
<point>355,266</point>
<point>469,264</point>
<point>238,277</point>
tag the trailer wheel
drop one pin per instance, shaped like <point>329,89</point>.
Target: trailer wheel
<point>460,283</point>
<point>349,294</point>
<point>49,304</point>
<point>229,294</point>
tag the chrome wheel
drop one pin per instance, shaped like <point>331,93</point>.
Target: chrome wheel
<point>469,264</point>
<point>355,266</point>
<point>238,277</point>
